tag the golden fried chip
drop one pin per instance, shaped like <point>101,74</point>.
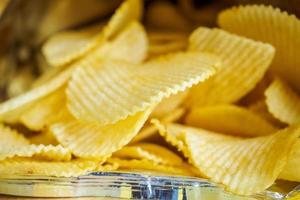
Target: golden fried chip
<point>64,47</point>
<point>91,140</point>
<point>110,91</point>
<point>46,111</point>
<point>230,119</point>
<point>130,45</point>
<point>169,105</point>
<point>273,26</point>
<point>244,166</point>
<point>150,130</point>
<point>283,102</point>
<point>11,110</point>
<point>153,152</point>
<point>291,171</point>
<point>106,167</point>
<point>244,65</point>
<point>25,166</point>
<point>50,152</point>
<point>12,143</point>
<point>149,166</point>
<point>130,10</point>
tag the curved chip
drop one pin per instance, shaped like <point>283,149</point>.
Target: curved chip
<point>130,10</point>
<point>244,166</point>
<point>45,137</point>
<point>46,111</point>
<point>113,90</point>
<point>150,130</point>
<point>25,166</point>
<point>230,119</point>
<point>130,45</point>
<point>64,47</point>
<point>11,110</point>
<point>273,26</point>
<point>244,64</point>
<point>91,140</point>
<point>291,171</point>
<point>283,102</point>
<point>50,152</point>
<point>153,152</point>
<point>152,167</point>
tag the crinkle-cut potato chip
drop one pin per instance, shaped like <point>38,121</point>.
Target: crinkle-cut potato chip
<point>46,111</point>
<point>64,47</point>
<point>130,45</point>
<point>149,151</point>
<point>172,136</point>
<point>150,130</point>
<point>14,144</point>
<point>113,90</point>
<point>291,171</point>
<point>11,110</point>
<point>244,64</point>
<point>130,10</point>
<point>244,166</point>
<point>92,140</point>
<point>283,102</point>
<point>149,166</point>
<point>46,137</point>
<point>168,105</point>
<point>268,24</point>
<point>27,166</point>
<point>156,49</point>
<point>230,119</point>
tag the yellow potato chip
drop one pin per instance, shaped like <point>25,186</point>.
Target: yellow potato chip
<point>152,167</point>
<point>244,65</point>
<point>150,130</point>
<point>14,144</point>
<point>168,105</point>
<point>25,166</point>
<point>11,143</point>
<point>149,151</point>
<point>130,45</point>
<point>64,47</point>
<point>270,25</point>
<point>46,111</point>
<point>106,167</point>
<point>230,119</point>
<point>110,91</point>
<point>91,140</point>
<point>244,166</point>
<point>283,102</point>
<point>11,110</point>
<point>129,10</point>
<point>291,171</point>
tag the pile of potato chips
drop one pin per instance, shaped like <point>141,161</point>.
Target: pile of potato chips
<point>219,103</point>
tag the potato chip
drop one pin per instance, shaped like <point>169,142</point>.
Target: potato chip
<point>64,47</point>
<point>149,151</point>
<point>244,166</point>
<point>130,45</point>
<point>244,65</point>
<point>150,130</point>
<point>46,111</point>
<point>130,10</point>
<point>91,140</point>
<point>11,142</point>
<point>50,152</point>
<point>270,25</point>
<point>106,167</point>
<point>291,171</point>
<point>230,119</point>
<point>149,166</point>
<point>11,110</point>
<point>113,90</point>
<point>283,102</point>
<point>26,166</point>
